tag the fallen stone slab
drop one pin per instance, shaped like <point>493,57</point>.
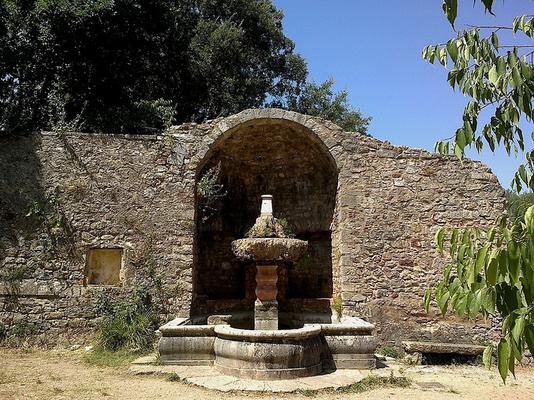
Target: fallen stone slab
<point>443,348</point>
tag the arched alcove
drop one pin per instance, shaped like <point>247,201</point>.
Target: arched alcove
<point>264,156</point>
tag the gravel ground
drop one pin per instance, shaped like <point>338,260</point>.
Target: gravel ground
<point>38,374</point>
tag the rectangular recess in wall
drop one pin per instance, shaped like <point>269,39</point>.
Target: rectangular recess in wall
<point>104,267</point>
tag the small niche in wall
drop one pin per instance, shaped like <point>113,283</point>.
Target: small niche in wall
<point>104,267</point>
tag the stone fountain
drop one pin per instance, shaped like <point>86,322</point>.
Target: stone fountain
<point>267,352</point>
<point>268,245</point>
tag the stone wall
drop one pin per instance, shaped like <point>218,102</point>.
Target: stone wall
<point>138,193</point>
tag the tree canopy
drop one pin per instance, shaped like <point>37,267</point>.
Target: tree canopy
<point>491,271</point>
<point>118,65</point>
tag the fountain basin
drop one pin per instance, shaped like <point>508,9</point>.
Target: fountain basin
<point>185,344</point>
<point>268,354</point>
<point>350,345</point>
<point>266,250</point>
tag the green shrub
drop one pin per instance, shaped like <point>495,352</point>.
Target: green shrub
<point>23,329</point>
<point>390,351</point>
<point>128,324</point>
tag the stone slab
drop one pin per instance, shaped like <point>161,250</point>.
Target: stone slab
<point>210,378</point>
<point>443,348</point>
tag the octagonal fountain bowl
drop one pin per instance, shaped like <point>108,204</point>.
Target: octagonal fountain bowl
<point>266,352</point>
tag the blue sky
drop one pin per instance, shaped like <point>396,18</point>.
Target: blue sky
<point>373,49</point>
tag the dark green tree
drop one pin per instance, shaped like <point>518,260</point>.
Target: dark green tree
<point>123,65</point>
<point>320,100</point>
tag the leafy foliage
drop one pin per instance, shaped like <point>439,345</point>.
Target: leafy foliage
<point>23,329</point>
<point>390,351</point>
<point>137,66</point>
<point>492,272</point>
<point>12,276</point>
<point>320,100</point>
<point>48,213</point>
<point>127,324</point>
<point>492,75</point>
<point>517,204</point>
<point>130,323</point>
<point>209,192</point>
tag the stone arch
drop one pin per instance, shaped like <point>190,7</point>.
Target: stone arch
<point>287,155</point>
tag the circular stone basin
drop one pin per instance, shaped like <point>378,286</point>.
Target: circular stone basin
<point>257,354</point>
<point>269,249</point>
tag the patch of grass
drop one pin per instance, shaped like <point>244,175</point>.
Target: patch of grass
<point>390,351</point>
<point>372,382</point>
<point>174,377</point>
<point>307,392</point>
<point>101,357</point>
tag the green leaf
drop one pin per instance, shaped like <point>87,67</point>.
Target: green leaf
<point>458,152</point>
<point>529,219</point>
<point>486,356</point>
<point>481,258</point>
<point>443,300</point>
<point>440,234</point>
<point>460,138</point>
<point>450,7</point>
<point>529,337</point>
<point>442,56</point>
<point>523,173</point>
<point>454,235</point>
<point>495,40</point>
<point>503,354</point>
<point>513,261</point>
<point>426,300</point>
<point>516,77</point>
<point>474,302</point>
<point>512,59</point>
<point>453,50</point>
<point>493,76</point>
<point>491,271</point>
<point>461,304</point>
<point>501,66</point>
<point>526,70</point>
<point>488,299</point>
<point>517,330</point>
<point>487,5</point>
<point>518,22</point>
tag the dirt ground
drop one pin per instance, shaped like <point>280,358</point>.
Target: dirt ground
<point>38,374</point>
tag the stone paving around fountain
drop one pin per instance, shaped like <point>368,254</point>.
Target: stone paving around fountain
<point>210,378</point>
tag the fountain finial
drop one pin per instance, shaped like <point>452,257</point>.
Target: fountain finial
<point>266,205</point>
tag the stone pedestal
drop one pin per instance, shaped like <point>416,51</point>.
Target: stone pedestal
<point>266,306</point>
<point>266,315</point>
